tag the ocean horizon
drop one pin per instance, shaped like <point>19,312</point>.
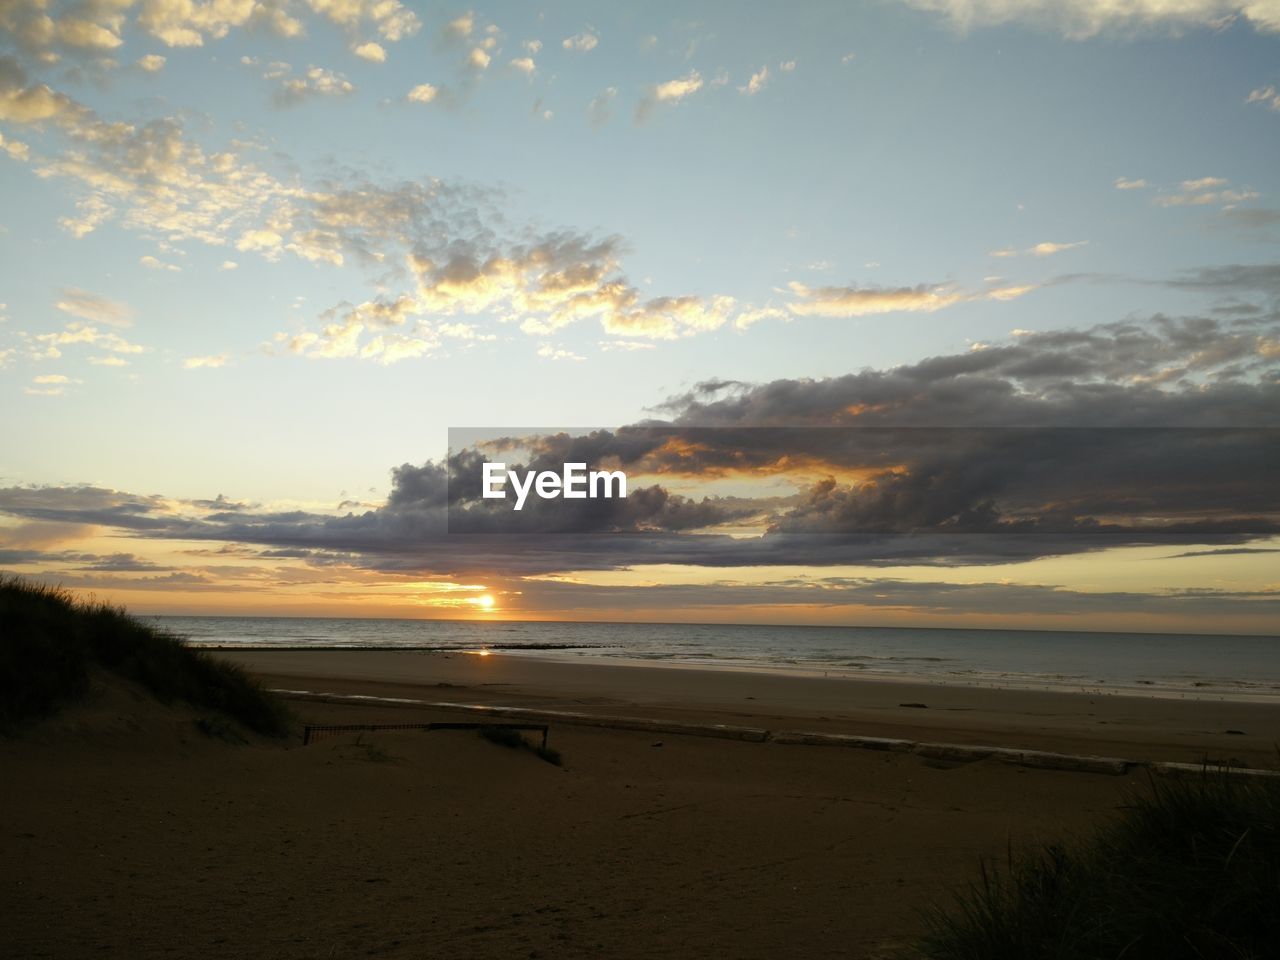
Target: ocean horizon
<point>1200,666</point>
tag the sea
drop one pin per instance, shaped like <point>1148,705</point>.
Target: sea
<point>1187,666</point>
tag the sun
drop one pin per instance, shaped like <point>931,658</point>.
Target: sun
<point>484,601</point>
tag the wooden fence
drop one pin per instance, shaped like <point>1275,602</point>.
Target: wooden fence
<point>312,732</point>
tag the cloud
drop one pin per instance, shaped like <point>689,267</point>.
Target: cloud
<point>672,91</point>
<point>667,318</point>
<point>1081,19</point>
<point>599,109</point>
<point>1252,221</point>
<point>478,59</point>
<point>392,20</point>
<point>447,245</point>
<point>267,241</point>
<point>1044,249</point>
<point>88,29</point>
<point>1204,191</point>
<point>21,102</point>
<point>49,385</point>
<point>866,301</point>
<point>92,210</point>
<point>344,330</point>
<point>450,241</point>
<point>543,283</point>
<point>860,596</point>
<point>1196,485</point>
<point>1224,552</point>
<point>371,51</point>
<point>757,82</point>
<point>1267,96</point>
<point>77,333</point>
<point>1167,372</point>
<point>151,63</point>
<point>151,263</point>
<point>939,448</point>
<point>316,82</point>
<point>422,93</point>
<point>669,91</point>
<point>160,180</point>
<point>750,317</point>
<point>1048,248</point>
<point>44,31</point>
<point>1053,481</point>
<point>461,27</point>
<point>211,361</point>
<point>90,306</point>
<point>581,42</point>
<point>179,24</point>
<point>1124,183</point>
<point>551,352</point>
<point>1204,183</point>
<point>525,65</point>
<point>1232,279</point>
<point>15,148</point>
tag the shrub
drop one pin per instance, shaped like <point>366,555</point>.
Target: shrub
<point>1191,869</point>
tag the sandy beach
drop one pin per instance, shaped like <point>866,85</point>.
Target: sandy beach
<point>138,836</point>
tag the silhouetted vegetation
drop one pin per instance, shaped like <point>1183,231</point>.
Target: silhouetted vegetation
<point>50,644</point>
<point>1191,869</point>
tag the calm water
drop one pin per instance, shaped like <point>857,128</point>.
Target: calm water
<point>1232,667</point>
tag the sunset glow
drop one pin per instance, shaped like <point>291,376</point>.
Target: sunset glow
<point>258,268</point>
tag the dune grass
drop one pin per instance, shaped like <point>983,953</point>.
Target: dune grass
<point>50,644</point>
<point>1189,871</point>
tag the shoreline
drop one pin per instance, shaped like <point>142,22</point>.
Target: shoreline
<point>1099,723</point>
<point>1206,691</point>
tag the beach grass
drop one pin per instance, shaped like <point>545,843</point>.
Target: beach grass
<point>51,645</point>
<point>1190,870</point>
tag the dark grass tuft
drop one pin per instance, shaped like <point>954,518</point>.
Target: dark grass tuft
<point>50,643</point>
<point>507,737</point>
<point>1189,871</point>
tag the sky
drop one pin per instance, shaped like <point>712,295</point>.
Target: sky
<point>257,259</point>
